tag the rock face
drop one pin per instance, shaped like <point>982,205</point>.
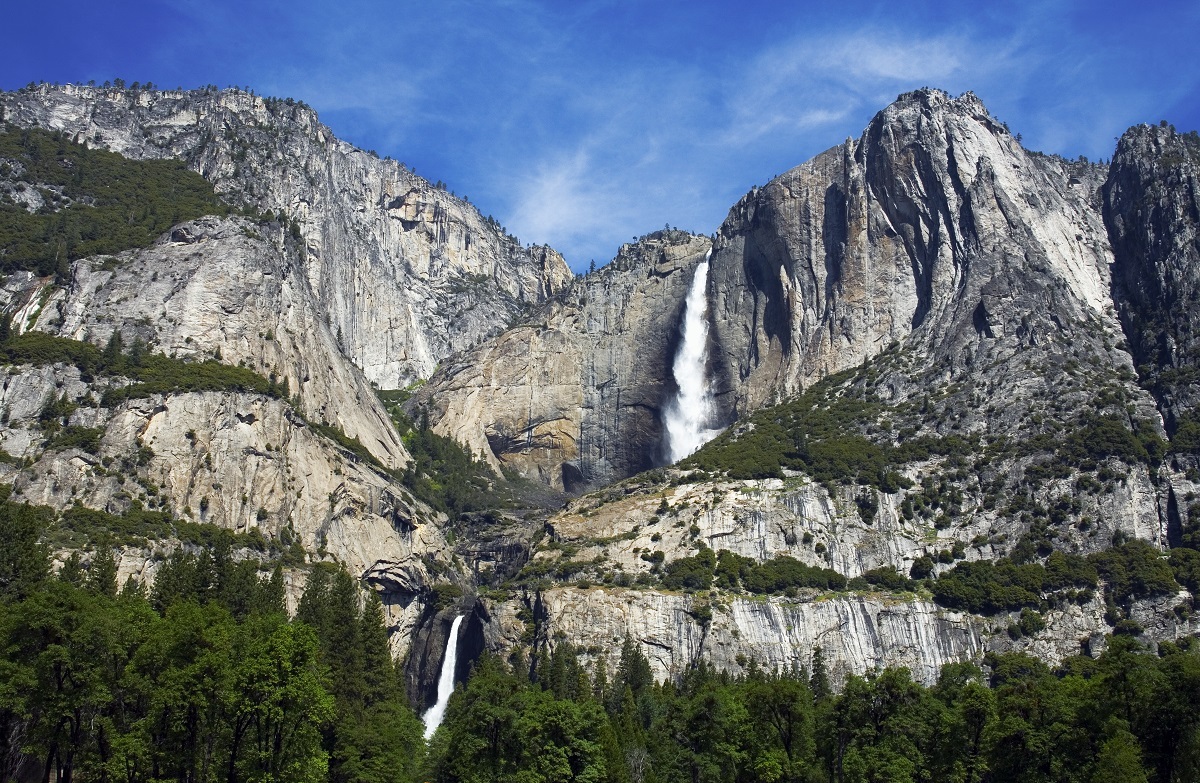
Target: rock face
<point>854,634</point>
<point>223,288</point>
<point>404,272</point>
<point>1152,209</point>
<point>928,225</point>
<point>934,229</point>
<point>614,538</point>
<point>236,289</point>
<point>574,395</point>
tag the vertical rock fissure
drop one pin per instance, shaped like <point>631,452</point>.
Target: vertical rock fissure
<point>433,718</point>
<point>689,414</point>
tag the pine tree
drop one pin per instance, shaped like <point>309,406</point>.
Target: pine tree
<point>102,574</point>
<point>819,683</point>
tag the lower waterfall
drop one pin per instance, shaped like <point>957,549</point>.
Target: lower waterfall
<point>689,415</point>
<point>433,718</point>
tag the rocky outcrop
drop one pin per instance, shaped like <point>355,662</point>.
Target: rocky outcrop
<point>231,288</point>
<point>573,396</point>
<point>616,531</point>
<point>854,633</point>
<point>1152,209</point>
<point>404,272</point>
<point>241,461</point>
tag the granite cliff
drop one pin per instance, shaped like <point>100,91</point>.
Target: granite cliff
<point>573,395</point>
<point>404,272</point>
<point>247,462</point>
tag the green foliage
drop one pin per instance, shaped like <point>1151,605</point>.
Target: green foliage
<point>97,685</point>
<point>502,728</point>
<point>353,445</point>
<point>1101,436</point>
<point>690,573</point>
<point>446,594</point>
<point>1129,713</point>
<point>1185,567</point>
<point>79,527</point>
<point>443,473</point>
<point>157,374</point>
<point>884,578</point>
<point>373,735</point>
<point>783,573</point>
<point>41,349</point>
<point>151,373</point>
<point>731,571</point>
<point>1134,570</point>
<point>94,201</point>
<point>75,437</point>
<point>988,587</point>
<point>1186,439</point>
<point>24,560</point>
<point>821,432</point>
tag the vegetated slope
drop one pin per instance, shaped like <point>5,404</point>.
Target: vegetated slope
<point>61,201</point>
<point>404,272</point>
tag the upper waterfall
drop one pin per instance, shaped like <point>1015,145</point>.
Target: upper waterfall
<point>689,415</point>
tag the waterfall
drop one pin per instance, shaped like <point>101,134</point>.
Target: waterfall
<point>690,413</point>
<point>433,718</point>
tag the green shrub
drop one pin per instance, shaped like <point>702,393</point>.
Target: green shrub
<point>1134,570</point>
<point>691,573</point>
<point>989,587</point>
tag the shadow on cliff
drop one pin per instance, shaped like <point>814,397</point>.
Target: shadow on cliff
<point>428,651</point>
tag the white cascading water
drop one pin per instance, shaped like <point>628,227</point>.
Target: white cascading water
<point>433,718</point>
<point>690,413</point>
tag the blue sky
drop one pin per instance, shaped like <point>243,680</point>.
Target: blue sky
<point>581,124</point>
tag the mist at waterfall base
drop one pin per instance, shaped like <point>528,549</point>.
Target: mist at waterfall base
<point>433,718</point>
<point>689,415</point>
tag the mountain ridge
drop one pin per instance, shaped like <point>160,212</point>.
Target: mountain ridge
<point>915,335</point>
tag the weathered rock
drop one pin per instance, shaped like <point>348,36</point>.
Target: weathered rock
<point>404,272</point>
<point>220,288</point>
<point>855,633</point>
<point>573,396</point>
<point>612,529</point>
<point>935,223</point>
<point>1152,209</point>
